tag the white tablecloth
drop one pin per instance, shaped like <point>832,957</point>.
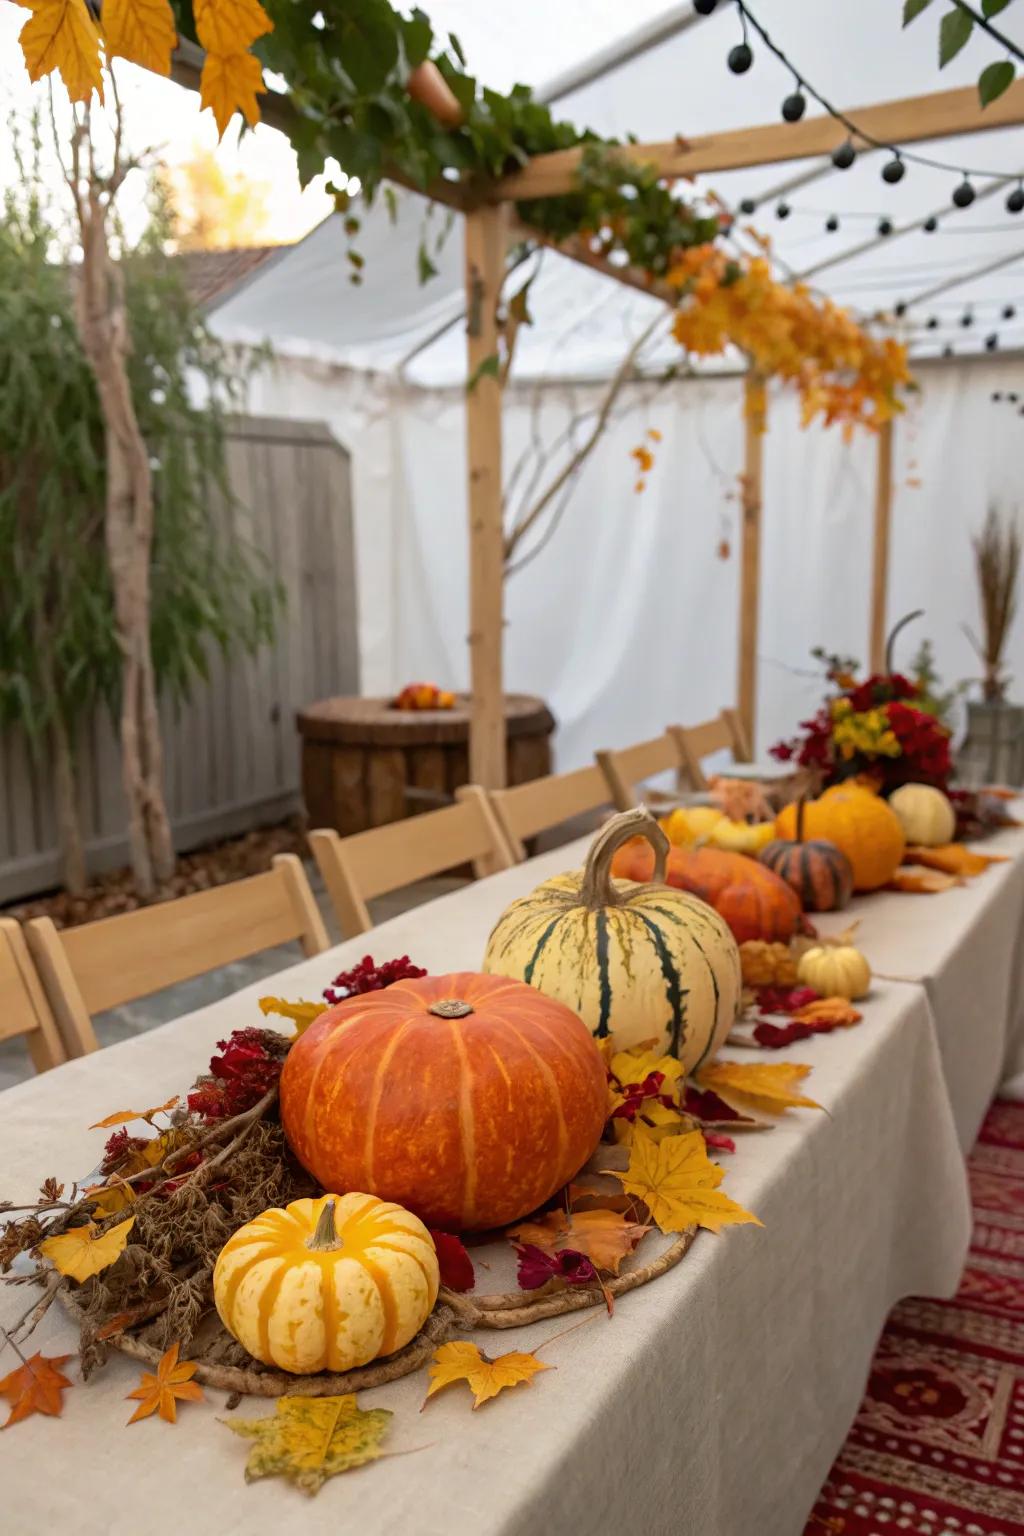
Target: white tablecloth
<point>712,1404</point>
<point>966,946</point>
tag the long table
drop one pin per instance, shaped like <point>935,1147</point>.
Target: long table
<point>715,1399</point>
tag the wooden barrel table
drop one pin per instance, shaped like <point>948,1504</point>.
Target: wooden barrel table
<point>365,763</point>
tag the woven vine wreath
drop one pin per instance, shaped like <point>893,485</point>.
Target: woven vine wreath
<point>453,1314</point>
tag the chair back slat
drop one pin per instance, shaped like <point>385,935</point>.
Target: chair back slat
<point>540,804</point>
<point>356,869</point>
<point>101,965</point>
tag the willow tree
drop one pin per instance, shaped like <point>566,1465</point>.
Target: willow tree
<point>117,580</point>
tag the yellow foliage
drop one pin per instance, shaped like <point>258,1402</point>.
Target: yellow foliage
<point>462,1361</point>
<point>841,372</point>
<point>61,35</point>
<point>678,1183</point>
<point>126,1116</point>
<point>769,1088</point>
<point>301,1014</point>
<point>605,1237</point>
<point>80,1254</point>
<point>309,1439</point>
<point>140,30</point>
<point>230,83</point>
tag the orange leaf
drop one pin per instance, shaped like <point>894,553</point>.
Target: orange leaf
<point>230,82</point>
<point>158,1394</point>
<point>767,1088</point>
<point>61,35</point>
<point>913,878</point>
<point>229,26</point>
<point>828,1010</point>
<point>462,1361</point>
<point>142,31</point>
<point>604,1236</point>
<point>35,1387</point>
<point>126,1116</point>
<point>953,859</point>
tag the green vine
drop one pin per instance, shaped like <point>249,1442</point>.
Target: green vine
<point>346,65</point>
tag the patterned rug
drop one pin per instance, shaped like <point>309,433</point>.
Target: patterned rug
<point>937,1448</point>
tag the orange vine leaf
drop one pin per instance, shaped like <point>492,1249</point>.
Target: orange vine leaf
<point>126,1116</point>
<point>604,1237</point>
<point>36,1387</point>
<point>462,1361</point>
<point>160,1393</point>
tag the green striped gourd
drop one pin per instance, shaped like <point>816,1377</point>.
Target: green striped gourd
<point>635,961</point>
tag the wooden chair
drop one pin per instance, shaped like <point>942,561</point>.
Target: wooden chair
<point>724,733</point>
<point>627,770</point>
<point>102,965</point>
<point>23,1007</point>
<point>368,864</point>
<point>540,804</point>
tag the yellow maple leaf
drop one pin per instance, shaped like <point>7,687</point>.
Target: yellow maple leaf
<point>230,82</point>
<point>80,1254</point>
<point>301,1014</point>
<point>61,35</point>
<point>162,1392</point>
<point>126,1116</point>
<point>229,26</point>
<point>678,1183</point>
<point>142,31</point>
<point>311,1439</point>
<point>462,1361</point>
<point>636,1065</point>
<point>769,1089</point>
<point>605,1237</point>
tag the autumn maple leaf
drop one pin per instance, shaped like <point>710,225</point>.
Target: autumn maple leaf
<point>769,1089</point>
<point>61,35</point>
<point>35,1387</point>
<point>126,1116</point>
<point>308,1440</point>
<point>159,1393</point>
<point>140,30</point>
<point>301,1014</point>
<point>462,1361</point>
<point>678,1183</point>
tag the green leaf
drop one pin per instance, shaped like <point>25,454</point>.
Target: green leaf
<point>993,7</point>
<point>456,48</point>
<point>367,43</point>
<point>519,304</point>
<point>912,8</point>
<point>489,368</point>
<point>425,266</point>
<point>954,30</point>
<point>994,80</point>
<point>417,36</point>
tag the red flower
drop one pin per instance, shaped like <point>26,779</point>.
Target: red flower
<point>238,1079</point>
<point>369,977</point>
<point>119,1147</point>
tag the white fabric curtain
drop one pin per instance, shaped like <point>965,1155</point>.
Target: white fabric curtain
<point>627,619</point>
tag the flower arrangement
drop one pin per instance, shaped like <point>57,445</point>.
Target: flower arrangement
<point>877,728</point>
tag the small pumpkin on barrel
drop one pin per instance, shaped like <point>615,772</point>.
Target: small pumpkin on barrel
<point>818,871</point>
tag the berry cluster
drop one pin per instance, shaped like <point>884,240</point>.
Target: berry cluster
<point>367,976</point>
<point>239,1078</point>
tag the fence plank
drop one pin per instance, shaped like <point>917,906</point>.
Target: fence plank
<point>232,757</point>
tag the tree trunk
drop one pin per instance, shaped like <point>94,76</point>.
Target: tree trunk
<point>69,829</point>
<point>103,328</point>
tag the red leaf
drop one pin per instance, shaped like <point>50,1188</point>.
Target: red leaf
<point>455,1264</point>
<point>704,1104</point>
<point>718,1141</point>
<point>774,1036</point>
<point>536,1267</point>
<point>784,999</point>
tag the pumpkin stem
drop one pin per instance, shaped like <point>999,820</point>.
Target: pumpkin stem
<point>891,642</point>
<point>451,1008</point>
<point>800,818</point>
<point>325,1239</point>
<point>597,889</point>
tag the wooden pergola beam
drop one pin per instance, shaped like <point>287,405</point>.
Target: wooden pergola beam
<point>941,114</point>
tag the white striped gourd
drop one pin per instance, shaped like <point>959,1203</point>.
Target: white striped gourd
<point>327,1284</point>
<point>637,962</point>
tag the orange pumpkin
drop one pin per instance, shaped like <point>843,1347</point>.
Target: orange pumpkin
<point>860,823</point>
<point>754,902</point>
<point>468,1099</point>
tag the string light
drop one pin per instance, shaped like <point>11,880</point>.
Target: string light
<point>831,223</point>
<point>704,7</point>
<point>885,227</point>
<point>740,59</point>
<point>748,206</point>
<point>930,225</point>
<point>1008,312</point>
<point>782,210</point>
<point>966,319</point>
<point>992,342</point>
<point>933,322</point>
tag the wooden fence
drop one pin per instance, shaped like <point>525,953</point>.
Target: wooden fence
<point>232,753</point>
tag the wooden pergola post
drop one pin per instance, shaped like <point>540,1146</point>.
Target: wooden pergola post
<point>755,406</point>
<point>880,550</point>
<point>485,267</point>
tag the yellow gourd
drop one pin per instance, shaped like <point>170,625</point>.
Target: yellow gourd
<point>860,823</point>
<point>837,970</point>
<point>927,817</point>
<point>687,826</point>
<point>327,1284</point>
<point>742,836</point>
